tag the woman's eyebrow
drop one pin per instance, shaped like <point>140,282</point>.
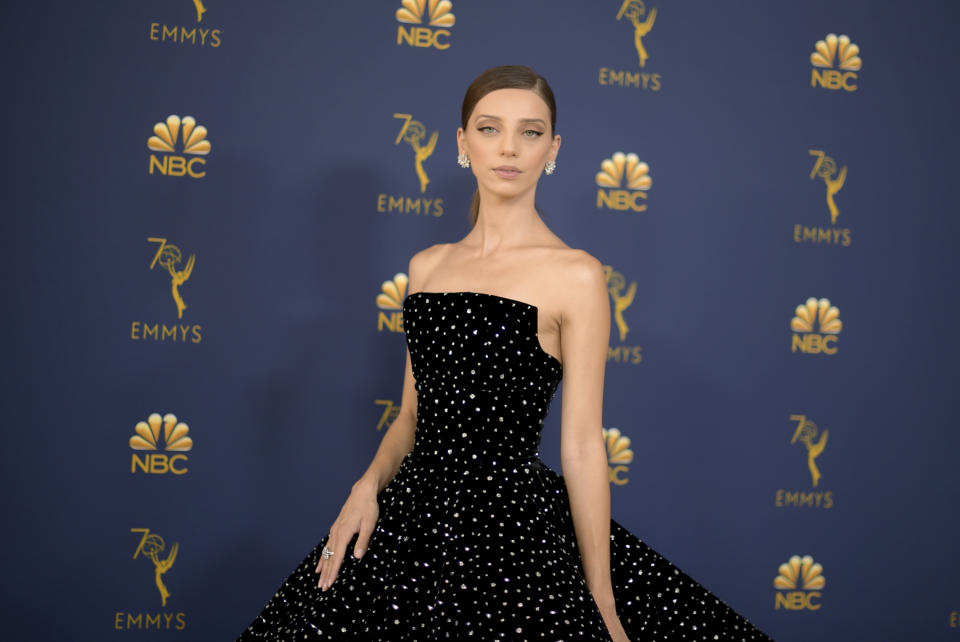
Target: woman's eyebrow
<point>525,120</point>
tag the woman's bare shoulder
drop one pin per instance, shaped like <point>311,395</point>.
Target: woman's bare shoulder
<point>575,273</point>
<point>423,262</point>
<point>577,264</point>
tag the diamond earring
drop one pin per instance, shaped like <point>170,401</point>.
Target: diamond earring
<point>463,161</point>
<point>550,167</point>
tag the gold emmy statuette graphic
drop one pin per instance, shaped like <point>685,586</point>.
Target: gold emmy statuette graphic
<point>200,9</point>
<point>414,132</point>
<point>621,299</point>
<point>391,411</point>
<point>806,432</point>
<point>633,10</point>
<point>151,545</point>
<point>826,168</point>
<point>169,256</point>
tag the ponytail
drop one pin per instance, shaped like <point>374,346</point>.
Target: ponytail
<point>475,207</point>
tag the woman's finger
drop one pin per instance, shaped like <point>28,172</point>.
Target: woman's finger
<point>327,563</point>
<point>329,574</point>
<point>325,542</point>
<point>366,529</point>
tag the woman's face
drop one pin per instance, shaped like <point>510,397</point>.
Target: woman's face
<point>508,140</point>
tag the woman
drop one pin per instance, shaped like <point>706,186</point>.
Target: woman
<point>457,530</point>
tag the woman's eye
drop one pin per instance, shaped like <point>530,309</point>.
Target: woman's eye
<point>487,129</point>
<point>533,133</point>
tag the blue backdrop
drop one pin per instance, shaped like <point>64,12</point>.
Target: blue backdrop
<point>203,201</point>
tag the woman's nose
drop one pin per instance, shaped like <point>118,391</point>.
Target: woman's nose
<point>508,146</point>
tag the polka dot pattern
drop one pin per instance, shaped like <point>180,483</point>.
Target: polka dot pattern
<point>475,539</point>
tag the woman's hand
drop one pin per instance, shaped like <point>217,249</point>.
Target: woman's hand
<point>609,612</point>
<point>358,515</point>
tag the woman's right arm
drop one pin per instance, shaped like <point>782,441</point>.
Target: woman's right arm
<point>361,510</point>
<point>398,441</point>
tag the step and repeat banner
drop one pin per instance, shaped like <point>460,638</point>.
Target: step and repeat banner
<point>212,206</point>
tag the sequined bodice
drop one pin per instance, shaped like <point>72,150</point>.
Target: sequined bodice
<point>484,383</point>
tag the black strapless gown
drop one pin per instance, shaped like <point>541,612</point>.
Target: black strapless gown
<point>475,539</point>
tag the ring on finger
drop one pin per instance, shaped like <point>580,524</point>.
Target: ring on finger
<point>327,553</point>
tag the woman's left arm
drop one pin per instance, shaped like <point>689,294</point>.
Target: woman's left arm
<point>584,339</point>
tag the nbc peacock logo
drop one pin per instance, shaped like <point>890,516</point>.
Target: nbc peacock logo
<point>438,14</point>
<point>623,182</point>
<point>815,326</point>
<point>192,141</point>
<point>157,433</point>
<point>390,303</point>
<point>836,61</point>
<point>799,582</point>
<point>619,455</point>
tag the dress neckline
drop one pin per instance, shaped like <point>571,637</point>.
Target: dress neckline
<point>536,309</point>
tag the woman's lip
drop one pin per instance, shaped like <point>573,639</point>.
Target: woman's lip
<point>507,172</point>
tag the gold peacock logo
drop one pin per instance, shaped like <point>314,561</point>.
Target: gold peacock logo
<point>814,313</point>
<point>815,326</point>
<point>836,51</point>
<point>157,433</point>
<point>165,135</point>
<point>623,171</point>
<point>800,573</point>
<point>619,455</point>
<point>836,61</point>
<point>438,15</point>
<point>390,303</point>
<point>176,434</point>
<point>193,140</point>
<point>798,583</point>
<point>437,12</point>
